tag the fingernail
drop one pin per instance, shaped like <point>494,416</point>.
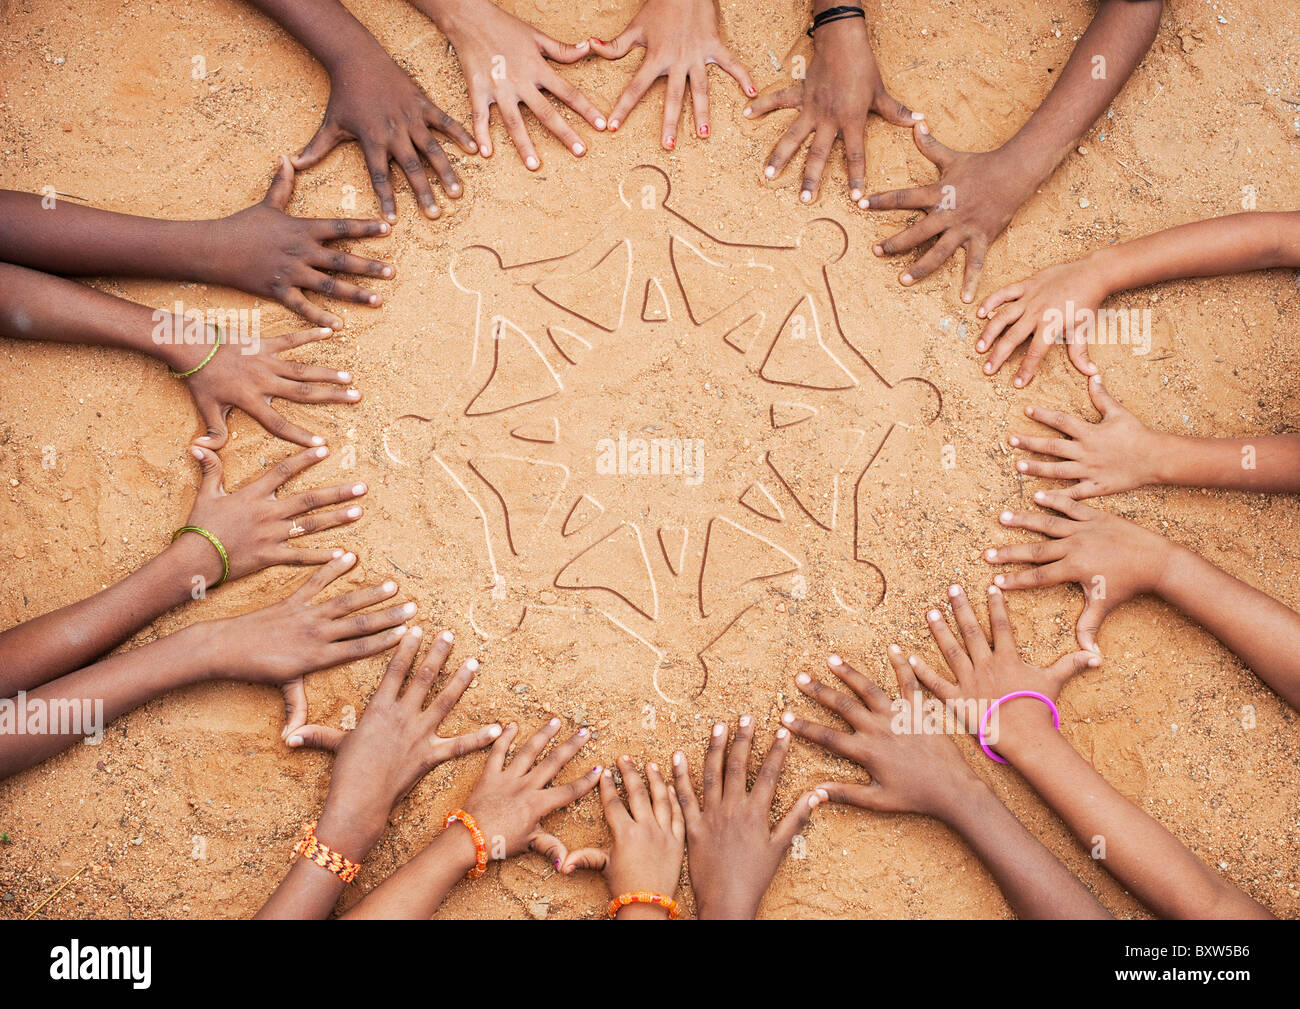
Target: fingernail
<point>1005,518</point>
<point>384,228</point>
<point>923,127</point>
<point>782,733</point>
<point>803,679</point>
<point>746,112</point>
<point>583,733</point>
<point>822,793</point>
<point>1039,496</point>
<point>295,740</point>
<point>918,116</point>
<point>895,650</point>
<point>855,195</point>
<point>1018,382</point>
<point>1094,662</point>
<point>317,440</point>
<point>349,558</point>
<point>1014,441</point>
<point>389,587</point>
<point>805,197</point>
<point>554,723</point>
<point>865,204</point>
<point>905,278</point>
<point>358,489</point>
<point>354,513</point>
<point>677,759</point>
<point>471,665</point>
<point>912,660</point>
<point>600,122</point>
<point>787,718</point>
<point>652,767</point>
<point>999,581</point>
<point>991,555</point>
<point>322,452</point>
<point>409,609</point>
<point>1022,466</point>
<point>337,554</point>
<point>670,142</point>
<point>417,632</point>
<point>994,590</point>
<point>770,172</point>
<point>813,801</point>
<point>704,130</point>
<point>954,590</point>
<point>988,366</point>
<point>447,636</point>
<point>932,615</point>
<point>532,163</point>
<point>579,150</point>
<point>353,395</point>
<point>613,126</point>
<point>719,729</point>
<point>1029,411</point>
<point>494,731</point>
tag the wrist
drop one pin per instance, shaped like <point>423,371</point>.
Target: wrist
<point>451,16</point>
<point>1165,452</point>
<point>351,829</point>
<point>1028,742</point>
<point>1102,268</point>
<point>456,846</point>
<point>1178,569</point>
<point>195,564</point>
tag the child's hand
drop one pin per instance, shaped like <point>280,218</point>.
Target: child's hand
<point>1111,558</point>
<point>734,850</point>
<point>841,90</point>
<point>1042,310</point>
<point>968,206</point>
<point>1116,454</point>
<point>375,102</point>
<point>285,641</point>
<point>509,802</point>
<point>265,252</point>
<point>255,526</point>
<point>680,38</point>
<point>911,771</point>
<point>649,839</point>
<point>237,378</point>
<point>984,674</point>
<point>504,63</point>
<point>396,742</point>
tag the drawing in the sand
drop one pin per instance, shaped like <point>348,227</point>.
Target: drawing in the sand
<point>667,528</point>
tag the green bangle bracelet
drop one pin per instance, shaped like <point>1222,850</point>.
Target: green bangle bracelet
<point>199,367</point>
<point>225,557</point>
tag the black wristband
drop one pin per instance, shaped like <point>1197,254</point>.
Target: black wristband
<point>833,14</point>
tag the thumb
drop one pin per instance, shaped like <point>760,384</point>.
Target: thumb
<point>549,847</point>
<point>213,415</point>
<point>891,110</point>
<point>326,139</point>
<point>617,48</point>
<point>295,705</point>
<point>935,152</point>
<point>1105,403</point>
<point>1067,667</point>
<point>1086,630</point>
<point>210,467</point>
<point>281,186</point>
<point>562,52</point>
<point>595,859</point>
<point>316,737</point>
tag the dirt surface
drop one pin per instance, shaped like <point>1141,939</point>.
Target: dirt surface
<point>840,458</point>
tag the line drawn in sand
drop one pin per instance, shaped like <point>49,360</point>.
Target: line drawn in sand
<point>654,334</point>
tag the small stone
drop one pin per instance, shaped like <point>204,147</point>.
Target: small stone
<point>521,688</point>
<point>1084,204</point>
<point>547,598</point>
<point>538,909</point>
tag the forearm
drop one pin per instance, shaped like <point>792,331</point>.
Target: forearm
<point>1221,245</point>
<point>1269,464</point>
<point>39,306</point>
<point>1148,860</point>
<point>70,638</point>
<point>449,15</point>
<point>1032,879</point>
<point>83,241</point>
<point>1102,61</point>
<point>418,888</point>
<point>325,28</point>
<point>309,891</point>
<point>38,724</point>
<point>1259,630</point>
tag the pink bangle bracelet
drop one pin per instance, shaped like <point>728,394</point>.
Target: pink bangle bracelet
<point>984,722</point>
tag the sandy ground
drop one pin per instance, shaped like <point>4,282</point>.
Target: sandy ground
<point>830,514</point>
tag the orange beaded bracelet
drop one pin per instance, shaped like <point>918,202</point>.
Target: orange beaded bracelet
<point>313,850</point>
<point>480,845</point>
<point>645,897</point>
